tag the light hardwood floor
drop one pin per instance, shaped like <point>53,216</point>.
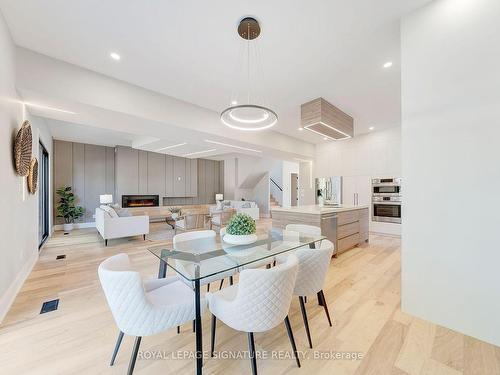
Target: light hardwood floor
<point>362,290</point>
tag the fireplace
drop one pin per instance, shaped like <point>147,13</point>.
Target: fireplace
<point>140,200</point>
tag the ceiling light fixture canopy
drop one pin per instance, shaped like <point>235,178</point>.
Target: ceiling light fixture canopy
<point>250,116</point>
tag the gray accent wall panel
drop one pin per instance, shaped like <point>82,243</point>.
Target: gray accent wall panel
<point>63,170</point>
<point>169,172</point>
<point>156,174</point>
<point>110,170</point>
<point>194,178</point>
<point>94,178</point>
<point>79,175</point>
<point>179,177</point>
<point>88,169</point>
<point>143,172</point>
<point>126,172</point>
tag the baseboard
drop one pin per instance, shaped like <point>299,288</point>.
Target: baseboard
<point>9,296</point>
<point>76,226</point>
<point>385,234</point>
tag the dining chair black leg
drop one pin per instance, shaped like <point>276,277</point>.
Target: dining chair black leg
<point>212,338</point>
<point>305,299</point>
<point>325,306</point>
<point>117,347</point>
<point>320,299</point>
<point>131,365</point>
<point>292,340</point>
<point>221,282</point>
<point>194,325</point>
<point>208,287</point>
<point>306,322</point>
<point>178,329</point>
<point>144,237</point>
<point>251,349</point>
<point>231,280</point>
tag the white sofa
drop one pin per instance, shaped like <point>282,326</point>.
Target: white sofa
<point>110,225</point>
<point>239,206</point>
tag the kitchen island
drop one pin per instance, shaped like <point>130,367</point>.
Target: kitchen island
<point>346,226</point>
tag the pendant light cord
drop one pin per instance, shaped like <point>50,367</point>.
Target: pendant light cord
<point>248,63</point>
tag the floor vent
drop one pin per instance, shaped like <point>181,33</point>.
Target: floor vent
<point>49,306</point>
<point>60,257</point>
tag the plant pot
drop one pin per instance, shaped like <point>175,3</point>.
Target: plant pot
<point>234,239</point>
<point>67,227</point>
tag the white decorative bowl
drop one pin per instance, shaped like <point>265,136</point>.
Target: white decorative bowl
<point>240,239</point>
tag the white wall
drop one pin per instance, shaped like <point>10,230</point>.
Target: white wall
<point>371,154</point>
<point>451,165</point>
<point>288,168</point>
<point>243,177</point>
<point>306,183</point>
<point>19,219</point>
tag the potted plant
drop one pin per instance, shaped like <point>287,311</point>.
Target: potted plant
<point>66,207</point>
<point>175,211</point>
<point>240,230</point>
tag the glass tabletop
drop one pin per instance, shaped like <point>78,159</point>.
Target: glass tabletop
<point>202,258</point>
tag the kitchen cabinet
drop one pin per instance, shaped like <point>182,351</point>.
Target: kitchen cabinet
<point>346,227</point>
<point>356,190</point>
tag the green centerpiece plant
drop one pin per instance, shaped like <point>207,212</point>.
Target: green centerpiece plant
<point>240,230</point>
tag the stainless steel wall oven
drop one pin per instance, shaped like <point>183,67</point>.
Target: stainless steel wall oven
<point>386,200</point>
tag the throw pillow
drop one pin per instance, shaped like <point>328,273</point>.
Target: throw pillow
<point>109,210</point>
<point>246,205</point>
<point>123,212</point>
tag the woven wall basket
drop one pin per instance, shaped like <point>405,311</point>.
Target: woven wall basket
<point>22,149</point>
<point>33,176</point>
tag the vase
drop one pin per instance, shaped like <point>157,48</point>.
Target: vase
<point>67,227</point>
<point>234,239</point>
<point>175,216</point>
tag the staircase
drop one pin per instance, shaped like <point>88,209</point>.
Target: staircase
<point>273,202</point>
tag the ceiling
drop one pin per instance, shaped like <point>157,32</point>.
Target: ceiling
<point>188,49</point>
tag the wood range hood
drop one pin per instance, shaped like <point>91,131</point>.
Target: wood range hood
<point>323,118</point>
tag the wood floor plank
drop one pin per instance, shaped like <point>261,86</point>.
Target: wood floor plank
<point>362,290</point>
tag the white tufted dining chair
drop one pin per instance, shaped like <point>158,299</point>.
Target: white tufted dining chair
<point>313,266</point>
<point>143,308</point>
<point>258,303</point>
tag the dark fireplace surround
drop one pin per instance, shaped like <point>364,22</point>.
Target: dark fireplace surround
<point>140,201</point>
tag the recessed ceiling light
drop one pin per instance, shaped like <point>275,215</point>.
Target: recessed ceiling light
<point>115,56</point>
<point>301,129</point>
<point>166,148</point>
<point>199,152</point>
<point>388,64</point>
<point>325,138</point>
<point>371,128</point>
<point>234,102</point>
<point>233,146</point>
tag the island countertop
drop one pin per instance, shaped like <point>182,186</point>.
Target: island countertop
<point>317,209</point>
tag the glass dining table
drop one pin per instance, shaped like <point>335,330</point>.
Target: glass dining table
<point>206,259</point>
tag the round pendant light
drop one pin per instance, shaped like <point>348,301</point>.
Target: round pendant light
<point>249,116</point>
